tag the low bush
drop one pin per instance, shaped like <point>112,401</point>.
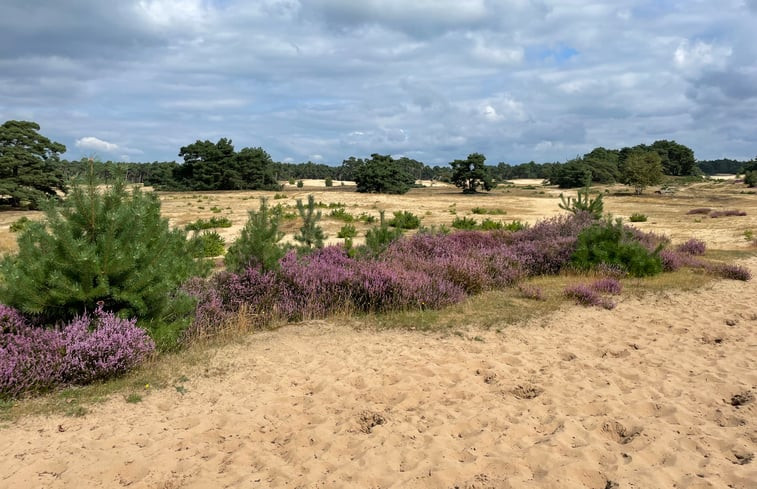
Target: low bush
<point>258,243</point>
<point>531,292</point>
<point>637,217</point>
<point>212,223</point>
<point>611,243</point>
<point>341,214</point>
<point>728,213</point>
<point>329,182</point>
<point>585,295</point>
<point>465,223</point>
<point>210,244</point>
<point>693,246</point>
<point>300,184</point>
<point>19,224</point>
<point>481,210</point>
<point>347,231</point>
<point>90,347</point>
<point>405,220</point>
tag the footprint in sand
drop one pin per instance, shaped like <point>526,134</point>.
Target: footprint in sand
<point>619,433</point>
<point>367,420</point>
<point>526,391</point>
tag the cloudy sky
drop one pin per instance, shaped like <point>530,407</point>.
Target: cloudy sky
<point>434,80</point>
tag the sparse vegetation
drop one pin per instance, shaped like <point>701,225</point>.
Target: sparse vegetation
<point>212,223</point>
<point>638,217</point>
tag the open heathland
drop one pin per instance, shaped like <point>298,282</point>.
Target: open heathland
<point>512,387</point>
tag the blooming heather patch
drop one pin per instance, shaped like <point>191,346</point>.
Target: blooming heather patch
<point>693,246</point>
<point>102,345</point>
<point>585,295</point>
<point>607,286</point>
<point>31,360</point>
<point>88,348</point>
<point>732,272</point>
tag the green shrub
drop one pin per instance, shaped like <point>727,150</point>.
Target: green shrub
<point>481,210</point>
<point>750,178</point>
<point>215,209</point>
<point>341,214</point>
<point>258,243</point>
<point>347,231</point>
<point>279,196</point>
<point>378,238</point>
<point>405,220</point>
<point>213,222</point>
<point>582,203</point>
<point>300,183</point>
<point>210,244</point>
<point>111,247</point>
<point>490,225</point>
<point>637,217</point>
<point>290,181</point>
<point>329,182</point>
<point>367,218</point>
<point>464,223</point>
<point>19,224</point>
<point>516,225</point>
<point>610,243</point>
<point>311,234</point>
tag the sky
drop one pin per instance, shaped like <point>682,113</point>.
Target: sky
<point>433,80</point>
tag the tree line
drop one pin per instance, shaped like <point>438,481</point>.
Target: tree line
<point>31,168</point>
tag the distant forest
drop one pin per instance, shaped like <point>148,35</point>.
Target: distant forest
<point>213,166</point>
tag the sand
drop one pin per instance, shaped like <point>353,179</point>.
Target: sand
<point>656,393</point>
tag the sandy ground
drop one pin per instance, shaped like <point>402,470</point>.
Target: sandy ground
<point>656,393</point>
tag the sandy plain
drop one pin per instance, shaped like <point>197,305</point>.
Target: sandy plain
<point>659,392</point>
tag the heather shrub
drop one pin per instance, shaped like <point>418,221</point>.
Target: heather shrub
<point>258,244</point>
<point>671,260</point>
<point>102,345</point>
<point>611,243</point>
<point>700,210</point>
<point>732,272</point>
<point>108,246</point>
<point>693,246</point>
<point>31,360</point>
<point>405,220</point>
<point>585,295</point>
<point>607,286</point>
<point>88,348</point>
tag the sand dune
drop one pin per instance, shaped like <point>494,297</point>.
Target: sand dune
<point>656,393</point>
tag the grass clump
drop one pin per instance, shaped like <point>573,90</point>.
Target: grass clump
<point>212,223</point>
<point>19,224</point>
<point>638,217</point>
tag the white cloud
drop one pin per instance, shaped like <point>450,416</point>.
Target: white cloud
<point>700,54</point>
<point>95,144</point>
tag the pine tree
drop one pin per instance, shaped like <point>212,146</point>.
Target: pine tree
<point>311,234</point>
<point>258,244</point>
<point>110,247</point>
